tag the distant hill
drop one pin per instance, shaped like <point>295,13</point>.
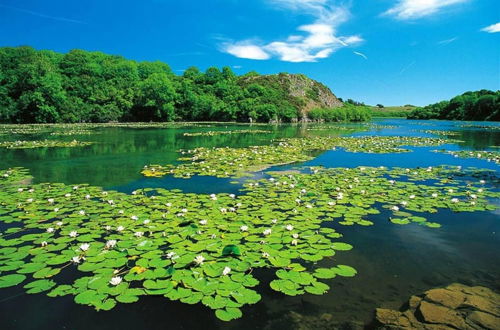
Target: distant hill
<point>41,86</point>
<point>478,105</point>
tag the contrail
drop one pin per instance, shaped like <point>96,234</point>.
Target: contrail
<point>361,54</point>
<point>34,13</point>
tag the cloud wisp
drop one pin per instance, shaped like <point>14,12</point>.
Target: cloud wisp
<point>493,28</point>
<point>361,54</point>
<point>311,42</point>
<point>34,13</point>
<point>415,9</point>
<point>447,41</point>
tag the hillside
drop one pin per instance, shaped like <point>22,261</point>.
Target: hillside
<point>478,105</point>
<point>40,86</point>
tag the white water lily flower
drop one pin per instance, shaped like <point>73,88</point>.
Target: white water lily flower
<point>108,227</point>
<point>298,201</point>
<point>20,190</point>
<point>292,185</point>
<point>87,196</point>
<point>81,212</point>
<point>44,243</point>
<point>51,200</point>
<point>84,247</point>
<point>309,206</point>
<point>59,223</point>
<point>184,210</point>
<point>289,227</point>
<point>115,280</point>
<point>232,195</point>
<point>199,260</point>
<point>76,259</point>
<point>239,205</point>
<point>450,191</point>
<point>139,234</point>
<point>294,242</point>
<point>267,232</point>
<point>454,200</point>
<point>404,203</point>
<point>232,209</point>
<point>480,190</point>
<point>265,255</point>
<point>213,236</point>
<point>146,221</point>
<point>271,179</point>
<point>110,244</point>
<point>411,197</point>
<point>434,195</point>
<point>244,228</point>
<point>170,255</point>
<point>223,210</point>
<point>75,187</point>
<point>331,203</point>
<point>31,190</point>
<point>213,197</point>
<point>50,230</point>
<point>482,181</point>
<point>134,192</point>
<point>473,196</point>
<point>226,271</point>
<point>395,208</point>
<point>119,228</point>
<point>168,204</point>
<point>295,235</point>
<point>303,191</point>
<point>134,217</point>
<point>111,202</point>
<point>392,181</point>
<point>29,200</point>
<point>67,195</point>
<point>73,234</point>
<point>472,203</point>
<point>274,221</point>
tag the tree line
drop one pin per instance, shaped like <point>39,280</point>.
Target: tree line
<point>42,86</point>
<point>478,105</point>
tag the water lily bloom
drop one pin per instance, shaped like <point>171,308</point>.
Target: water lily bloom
<point>392,181</point>
<point>170,255</point>
<point>168,204</point>
<point>134,217</point>
<point>395,208</point>
<point>223,210</point>
<point>115,280</point>
<point>298,201</point>
<point>450,191</point>
<point>303,191</point>
<point>121,212</point>
<point>111,202</point>
<point>50,200</point>
<point>56,209</point>
<point>110,244</point>
<point>87,196</point>
<point>20,190</point>
<point>29,200</point>
<point>244,228</point>
<point>309,206</point>
<point>134,192</point>
<point>59,223</point>
<point>50,230</point>
<point>265,255</point>
<point>232,195</point>
<point>404,203</point>
<point>454,200</point>
<point>44,243</point>
<point>473,196</point>
<point>213,236</point>
<point>199,260</point>
<point>138,234</point>
<point>108,227</point>
<point>294,242</point>
<point>331,203</point>
<point>226,271</point>
<point>73,234</point>
<point>84,247</point>
<point>289,227</point>
<point>146,221</point>
<point>295,235</point>
<point>119,228</point>
<point>76,259</point>
<point>482,181</point>
<point>184,210</point>
<point>472,203</point>
<point>412,196</point>
<point>267,232</point>
<point>81,212</point>
<point>480,190</point>
<point>434,195</point>
<point>67,195</point>
<point>213,197</point>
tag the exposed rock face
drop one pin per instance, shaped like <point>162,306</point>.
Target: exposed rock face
<point>309,93</point>
<point>455,307</point>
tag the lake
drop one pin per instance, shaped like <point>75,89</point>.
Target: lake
<point>392,261</point>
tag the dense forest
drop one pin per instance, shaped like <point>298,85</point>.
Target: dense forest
<point>40,86</point>
<point>479,105</point>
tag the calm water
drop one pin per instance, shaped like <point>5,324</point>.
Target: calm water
<point>393,262</point>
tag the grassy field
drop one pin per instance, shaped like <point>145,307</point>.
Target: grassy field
<point>395,111</point>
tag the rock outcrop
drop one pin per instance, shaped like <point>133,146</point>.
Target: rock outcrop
<point>454,307</point>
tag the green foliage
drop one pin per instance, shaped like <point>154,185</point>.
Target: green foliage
<point>478,105</point>
<point>348,112</point>
<point>80,86</point>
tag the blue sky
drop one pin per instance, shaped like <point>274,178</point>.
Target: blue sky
<point>380,51</point>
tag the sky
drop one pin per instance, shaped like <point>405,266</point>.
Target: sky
<point>392,52</point>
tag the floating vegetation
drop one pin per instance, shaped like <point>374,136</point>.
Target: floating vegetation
<point>213,133</point>
<point>438,132</point>
<point>226,162</point>
<point>73,132</point>
<point>42,144</point>
<point>487,127</point>
<point>490,156</point>
<point>199,248</point>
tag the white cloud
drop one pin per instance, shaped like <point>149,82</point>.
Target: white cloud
<point>413,9</point>
<point>493,28</point>
<point>318,40</point>
<point>245,50</point>
<point>361,54</point>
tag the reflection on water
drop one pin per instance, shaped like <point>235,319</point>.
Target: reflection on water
<point>393,262</point>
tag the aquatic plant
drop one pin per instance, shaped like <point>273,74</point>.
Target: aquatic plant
<point>490,156</point>
<point>42,144</point>
<point>213,133</point>
<point>199,248</point>
<point>226,162</point>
